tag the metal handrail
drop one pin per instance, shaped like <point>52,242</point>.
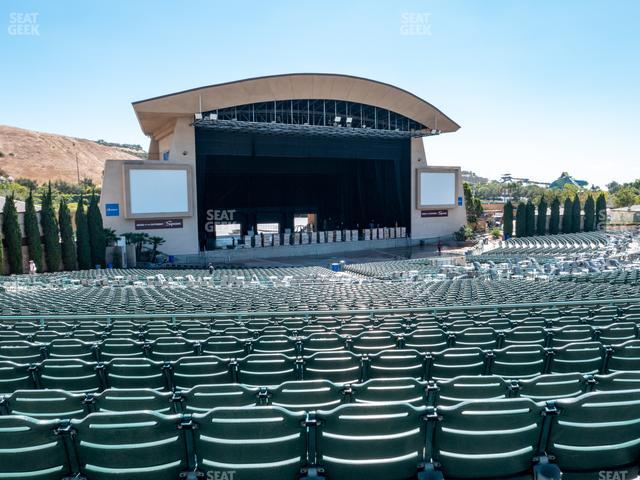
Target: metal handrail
<point>308,313</point>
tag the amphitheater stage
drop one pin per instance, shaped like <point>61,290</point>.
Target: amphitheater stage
<point>320,253</point>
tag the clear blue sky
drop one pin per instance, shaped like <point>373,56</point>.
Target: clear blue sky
<point>537,86</point>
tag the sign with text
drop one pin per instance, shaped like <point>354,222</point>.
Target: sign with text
<point>112,209</point>
<point>434,213</point>
<point>158,224</point>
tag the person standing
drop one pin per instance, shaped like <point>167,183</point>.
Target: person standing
<point>33,269</point>
<point>439,246</point>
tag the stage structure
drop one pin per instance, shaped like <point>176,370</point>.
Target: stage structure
<point>282,155</point>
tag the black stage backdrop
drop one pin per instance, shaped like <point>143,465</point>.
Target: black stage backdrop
<point>347,182</point>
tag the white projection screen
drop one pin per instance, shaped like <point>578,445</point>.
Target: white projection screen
<point>158,191</point>
<point>437,189</point>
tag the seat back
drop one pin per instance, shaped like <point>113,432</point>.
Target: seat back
<point>305,395</point>
<point>15,376</point>
<point>586,357</point>
<point>135,373</point>
<point>203,398</point>
<point>29,448</point>
<point>395,364</point>
<point>391,390</point>
<point>552,387</point>
<point>189,372</point>
<point>373,441</point>
<point>338,367</point>
<point>267,369</point>
<point>70,375</point>
<point>625,357</point>
<point>21,351</point>
<point>141,445</point>
<point>255,442</point>
<point>466,388</point>
<point>454,362</point>
<point>596,431</point>
<point>519,361</point>
<point>487,439</point>
<point>127,400</point>
<point>47,404</point>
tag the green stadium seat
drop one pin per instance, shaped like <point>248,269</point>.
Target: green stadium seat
<point>395,364</point>
<point>260,442</point>
<point>372,441</point>
<point>571,334</point>
<point>596,432</point>
<point>16,376</point>
<point>119,348</point>
<point>140,445</point>
<point>71,348</point>
<point>525,335</point>
<point>616,333</point>
<point>625,357</point>
<point>46,404</point>
<point>373,342</point>
<point>166,349</point>
<point>224,346</point>
<point>587,357</point>
<point>207,397</point>
<point>553,387</point>
<point>323,342</point>
<point>487,439</point>
<point>454,362</point>
<point>426,340</point>
<point>305,395</point>
<point>391,390</point>
<point>482,337</point>
<point>337,367</point>
<point>30,449</point>
<point>617,381</point>
<point>135,373</point>
<point>267,369</point>
<point>189,372</point>
<point>115,400</point>
<point>519,361</point>
<point>466,388</point>
<point>70,375</point>
<point>275,344</point>
<point>21,351</point>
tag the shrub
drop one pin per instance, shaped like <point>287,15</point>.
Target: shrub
<point>495,232</point>
<point>464,233</point>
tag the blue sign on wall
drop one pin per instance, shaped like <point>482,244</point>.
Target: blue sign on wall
<point>460,201</point>
<point>112,209</point>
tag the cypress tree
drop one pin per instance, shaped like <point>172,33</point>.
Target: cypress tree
<point>83,246</point>
<point>541,224</point>
<point>68,246</point>
<point>96,233</point>
<point>1,254</point>
<point>554,217</point>
<point>12,235</point>
<point>531,219</point>
<point>521,220</point>
<point>32,232</point>
<point>576,221</point>
<point>567,224</point>
<point>50,232</point>
<point>601,212</point>
<point>589,214</point>
<point>507,220</point>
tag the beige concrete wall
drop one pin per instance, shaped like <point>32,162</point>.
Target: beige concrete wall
<point>432,228</point>
<point>182,146</point>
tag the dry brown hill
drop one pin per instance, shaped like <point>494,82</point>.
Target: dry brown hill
<point>46,156</point>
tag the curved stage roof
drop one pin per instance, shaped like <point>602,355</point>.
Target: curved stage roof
<point>158,113</point>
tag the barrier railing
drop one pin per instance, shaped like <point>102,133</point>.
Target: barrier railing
<point>311,313</point>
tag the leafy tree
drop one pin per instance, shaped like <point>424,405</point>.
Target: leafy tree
<point>50,232</point>
<point>567,223</point>
<point>68,245</point>
<point>541,224</point>
<point>531,219</point>
<point>554,217</point>
<point>507,220</point>
<point>96,232</point>
<point>155,242</point>
<point>521,220</point>
<point>12,235</point>
<point>589,214</point>
<point>626,196</point>
<point>32,232</point>
<point>601,212</point>
<point>575,215</point>
<point>83,247</point>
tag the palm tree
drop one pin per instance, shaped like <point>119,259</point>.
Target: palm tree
<point>155,242</point>
<point>110,236</point>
